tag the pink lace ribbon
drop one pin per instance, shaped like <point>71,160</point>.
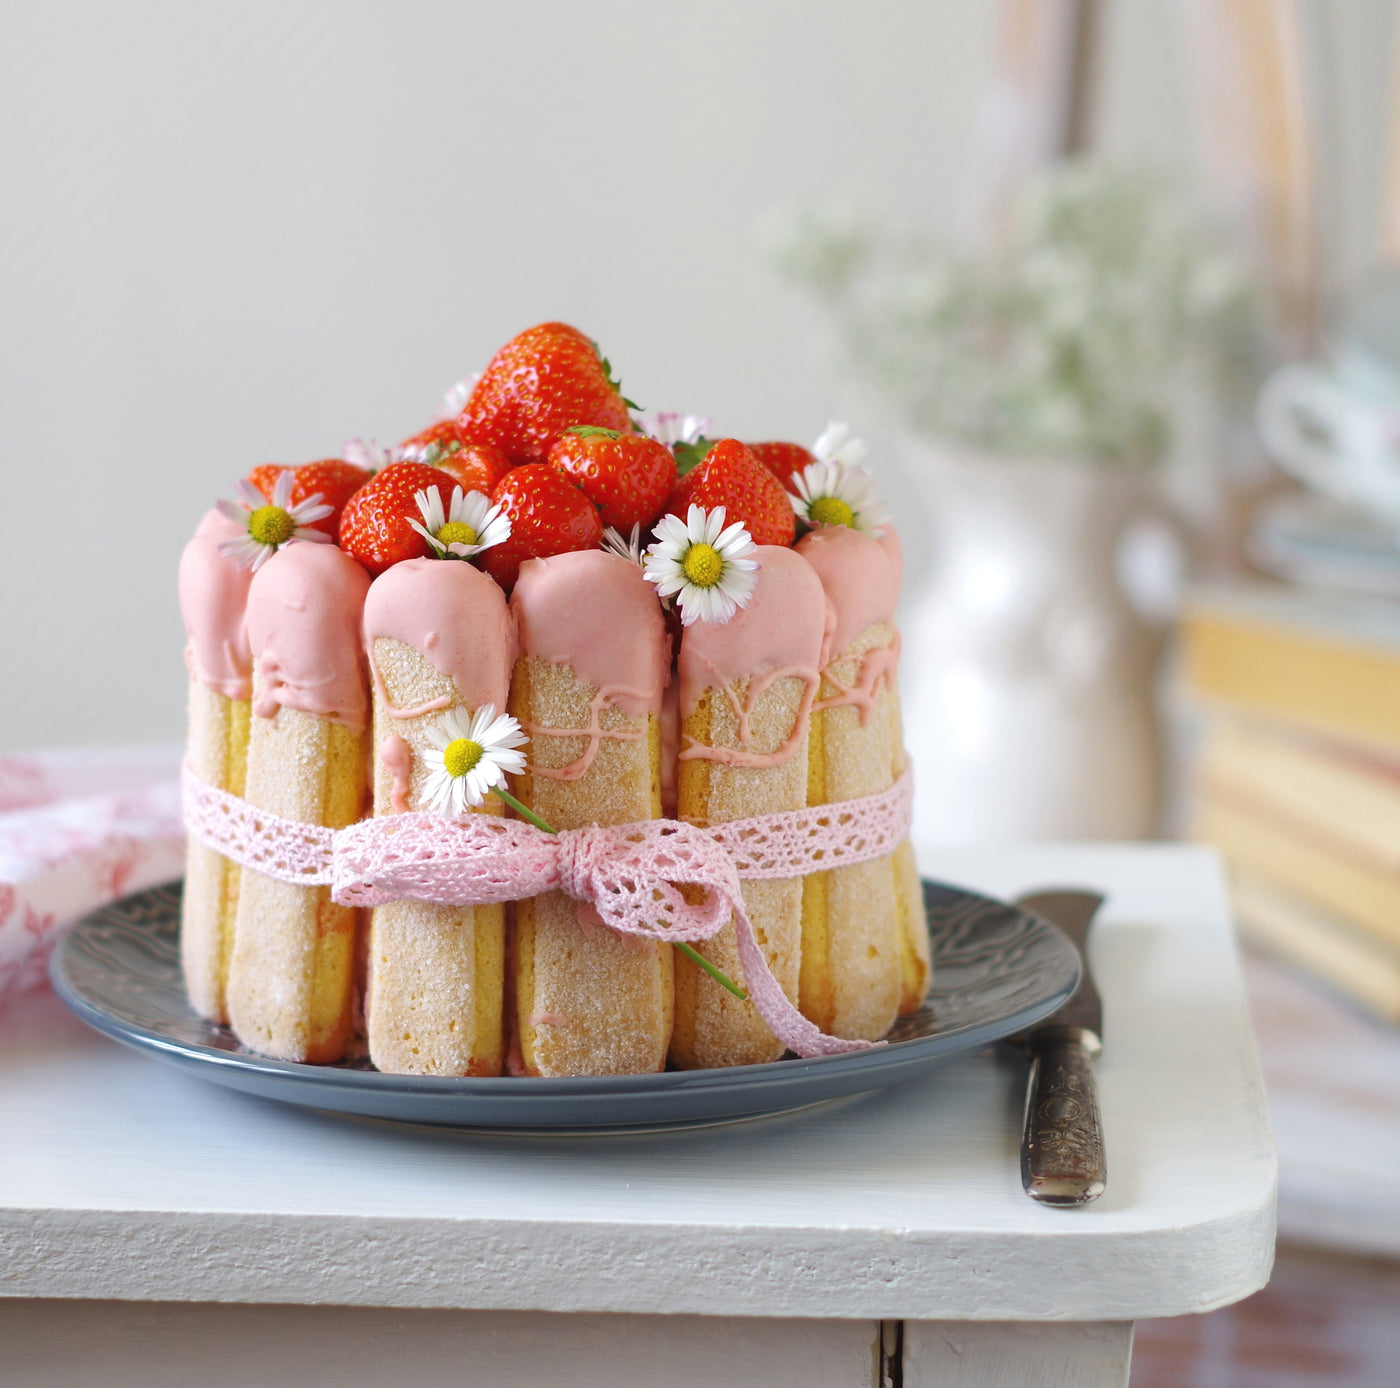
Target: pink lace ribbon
<point>629,873</point>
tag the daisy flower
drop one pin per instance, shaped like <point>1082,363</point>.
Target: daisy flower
<point>471,524</point>
<point>627,547</point>
<point>271,524</point>
<point>703,564</point>
<point>838,445</point>
<point>366,453</point>
<point>470,754</point>
<point>830,493</point>
<point>455,397</point>
<point>670,428</point>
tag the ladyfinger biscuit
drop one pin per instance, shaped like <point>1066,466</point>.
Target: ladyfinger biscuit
<point>746,689</point>
<point>851,971</point>
<point>588,690</point>
<point>213,603</point>
<point>439,637</point>
<point>292,975</point>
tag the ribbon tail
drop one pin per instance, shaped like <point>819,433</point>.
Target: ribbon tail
<point>799,1035</point>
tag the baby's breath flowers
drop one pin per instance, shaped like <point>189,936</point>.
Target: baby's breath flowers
<point>471,524</point>
<point>706,566</point>
<point>268,525</point>
<point>470,756</point>
<point>833,493</point>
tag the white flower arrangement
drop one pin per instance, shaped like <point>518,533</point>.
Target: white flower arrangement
<point>470,525</point>
<point>835,493</point>
<point>705,565</point>
<point>268,525</point>
<point>1074,339</point>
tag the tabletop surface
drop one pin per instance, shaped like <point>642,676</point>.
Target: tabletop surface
<point>120,1177</point>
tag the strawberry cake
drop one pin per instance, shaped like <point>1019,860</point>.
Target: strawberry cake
<point>557,740</point>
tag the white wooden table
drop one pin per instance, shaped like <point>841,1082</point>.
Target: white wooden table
<point>158,1231</point>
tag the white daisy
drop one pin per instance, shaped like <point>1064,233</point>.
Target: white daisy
<point>627,547</point>
<point>670,428</point>
<point>838,494</point>
<point>455,397</point>
<point>704,565</point>
<point>271,524</point>
<point>469,755</point>
<point>367,453</point>
<point>838,445</point>
<point>471,524</point>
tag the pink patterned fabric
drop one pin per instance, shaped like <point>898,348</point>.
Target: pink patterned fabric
<point>628,873</point>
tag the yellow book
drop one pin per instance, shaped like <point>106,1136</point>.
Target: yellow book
<point>1299,933</point>
<point>1350,799</point>
<point>1297,857</point>
<point>1326,661</point>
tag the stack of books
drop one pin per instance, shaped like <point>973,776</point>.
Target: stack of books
<point>1298,780</point>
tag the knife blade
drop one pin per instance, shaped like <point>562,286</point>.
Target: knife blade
<point>1062,1154</point>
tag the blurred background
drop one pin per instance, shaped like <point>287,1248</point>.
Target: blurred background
<point>1102,286</point>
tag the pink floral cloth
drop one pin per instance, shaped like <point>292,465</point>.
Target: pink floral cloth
<point>80,827</point>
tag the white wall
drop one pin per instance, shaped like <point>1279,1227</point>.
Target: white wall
<point>241,233</point>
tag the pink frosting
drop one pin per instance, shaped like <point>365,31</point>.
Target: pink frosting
<point>595,613</point>
<point>859,575</point>
<point>397,757</point>
<point>304,608</point>
<point>782,628</point>
<point>456,618</point>
<point>214,604</point>
<point>890,543</point>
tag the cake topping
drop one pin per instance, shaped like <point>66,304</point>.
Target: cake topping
<point>456,618</point>
<point>470,754</point>
<point>628,477</point>
<point>471,524</point>
<point>831,493</point>
<point>335,480</point>
<point>783,460</point>
<point>628,547</point>
<point>266,525</point>
<point>213,603</point>
<point>548,515</point>
<point>304,609</point>
<point>706,566</point>
<point>733,478</point>
<point>837,444</point>
<point>378,525</point>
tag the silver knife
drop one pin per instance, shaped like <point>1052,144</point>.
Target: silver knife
<point>1062,1161</point>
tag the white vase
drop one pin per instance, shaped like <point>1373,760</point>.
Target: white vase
<point>1031,650</point>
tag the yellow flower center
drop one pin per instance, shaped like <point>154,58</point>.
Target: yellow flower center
<point>703,565</point>
<point>456,533</point>
<point>460,756</point>
<point>831,510</point>
<point>271,525</point>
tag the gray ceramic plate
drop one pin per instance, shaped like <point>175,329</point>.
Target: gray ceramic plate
<point>997,969</point>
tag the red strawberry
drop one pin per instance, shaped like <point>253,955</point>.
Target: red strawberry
<point>446,445</point>
<point>783,460</point>
<point>375,526</point>
<point>548,515</point>
<point>733,478</point>
<point>536,386</point>
<point>335,480</point>
<point>626,476</point>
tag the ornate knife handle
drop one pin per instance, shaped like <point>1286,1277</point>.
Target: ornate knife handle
<point>1062,1160</point>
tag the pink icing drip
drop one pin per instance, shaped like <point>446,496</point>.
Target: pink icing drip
<point>859,575</point>
<point>548,1019</point>
<point>783,631</point>
<point>594,732</point>
<point>877,668</point>
<point>214,603</point>
<point>397,758</point>
<point>456,618</point>
<point>595,613</point>
<point>304,609</point>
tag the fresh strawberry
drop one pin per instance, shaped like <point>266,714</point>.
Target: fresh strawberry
<point>733,478</point>
<point>536,386</point>
<point>628,477</point>
<point>783,460</point>
<point>446,445</point>
<point>375,526</point>
<point>335,480</point>
<point>548,515</point>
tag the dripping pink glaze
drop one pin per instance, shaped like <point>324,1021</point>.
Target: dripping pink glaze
<point>397,757</point>
<point>859,576</point>
<point>783,631</point>
<point>304,608</point>
<point>214,604</point>
<point>456,618</point>
<point>594,612</point>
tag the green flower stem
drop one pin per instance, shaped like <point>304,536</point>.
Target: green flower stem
<point>689,951</point>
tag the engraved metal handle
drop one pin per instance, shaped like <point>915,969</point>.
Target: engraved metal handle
<point>1062,1161</point>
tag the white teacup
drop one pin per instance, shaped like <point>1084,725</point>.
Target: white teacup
<point>1337,428</point>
